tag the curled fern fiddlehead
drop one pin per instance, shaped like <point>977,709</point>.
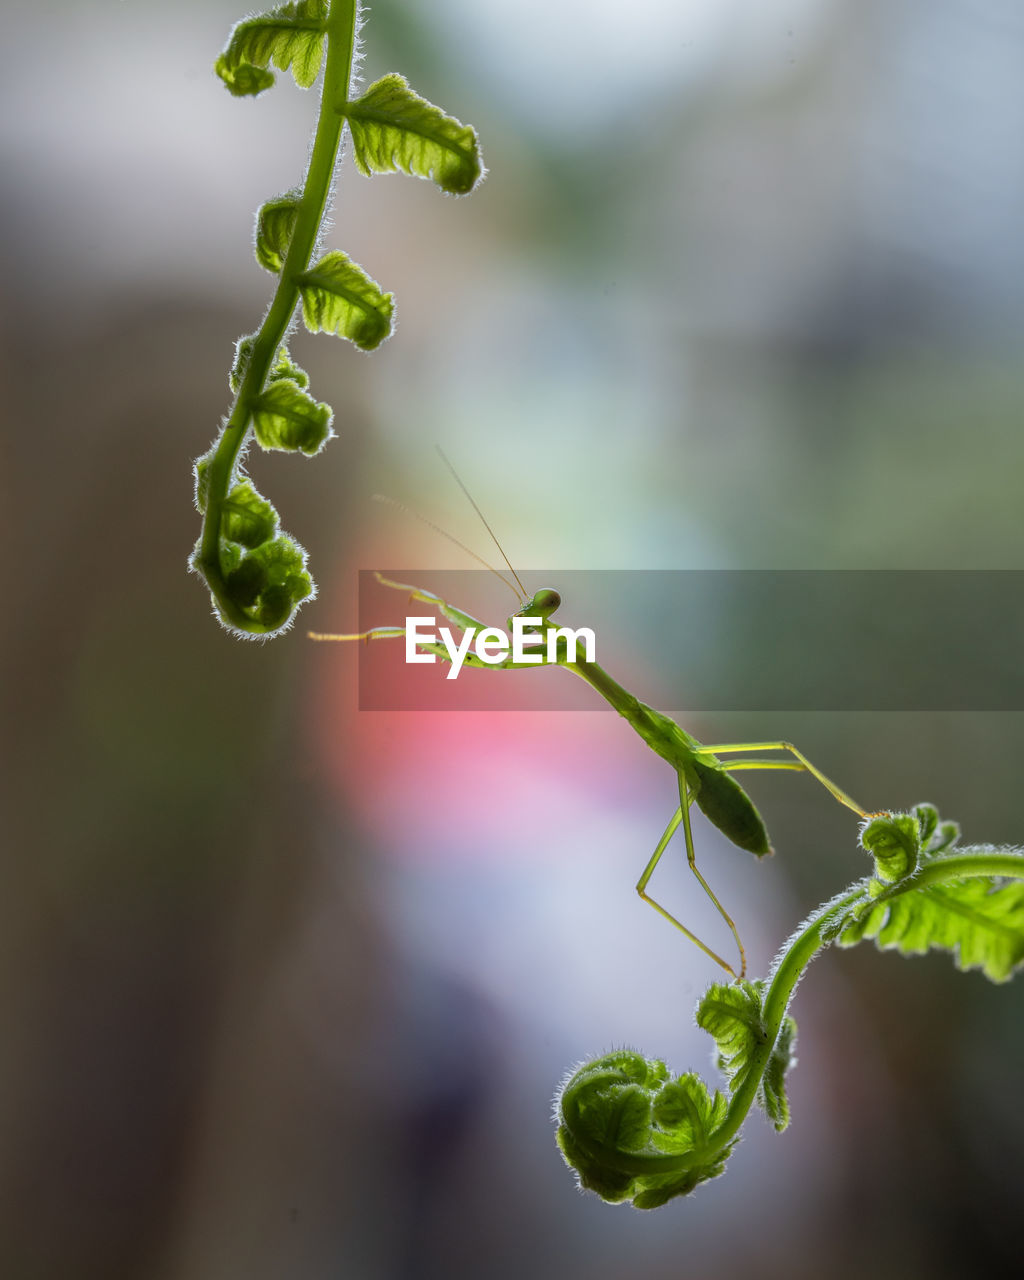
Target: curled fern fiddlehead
<point>632,1133</point>
<point>258,575</point>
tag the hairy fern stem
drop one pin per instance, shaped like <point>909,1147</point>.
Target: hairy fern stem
<point>257,575</point>
<point>340,32</point>
<point>632,1133</point>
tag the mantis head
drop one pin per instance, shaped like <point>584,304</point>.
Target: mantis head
<point>543,604</point>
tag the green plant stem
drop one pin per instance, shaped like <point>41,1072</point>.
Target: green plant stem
<point>340,33</point>
<point>789,968</point>
<point>807,942</point>
<point>800,950</point>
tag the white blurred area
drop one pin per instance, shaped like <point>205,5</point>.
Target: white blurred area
<point>576,68</point>
<point>743,288</point>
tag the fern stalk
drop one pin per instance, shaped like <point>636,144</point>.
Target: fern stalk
<point>631,1132</point>
<point>256,574</point>
<point>340,33</point>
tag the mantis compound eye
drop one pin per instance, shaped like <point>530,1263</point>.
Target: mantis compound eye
<point>546,601</point>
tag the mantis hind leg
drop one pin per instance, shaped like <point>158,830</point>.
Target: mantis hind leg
<point>800,763</point>
<point>682,815</point>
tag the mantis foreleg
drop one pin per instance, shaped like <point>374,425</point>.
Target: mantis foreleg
<point>464,621</point>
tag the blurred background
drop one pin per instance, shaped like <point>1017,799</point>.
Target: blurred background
<point>287,988</point>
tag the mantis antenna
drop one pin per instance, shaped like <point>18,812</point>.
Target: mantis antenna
<point>409,511</point>
<point>458,481</point>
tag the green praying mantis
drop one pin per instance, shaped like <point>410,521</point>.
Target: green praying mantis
<point>703,777</point>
